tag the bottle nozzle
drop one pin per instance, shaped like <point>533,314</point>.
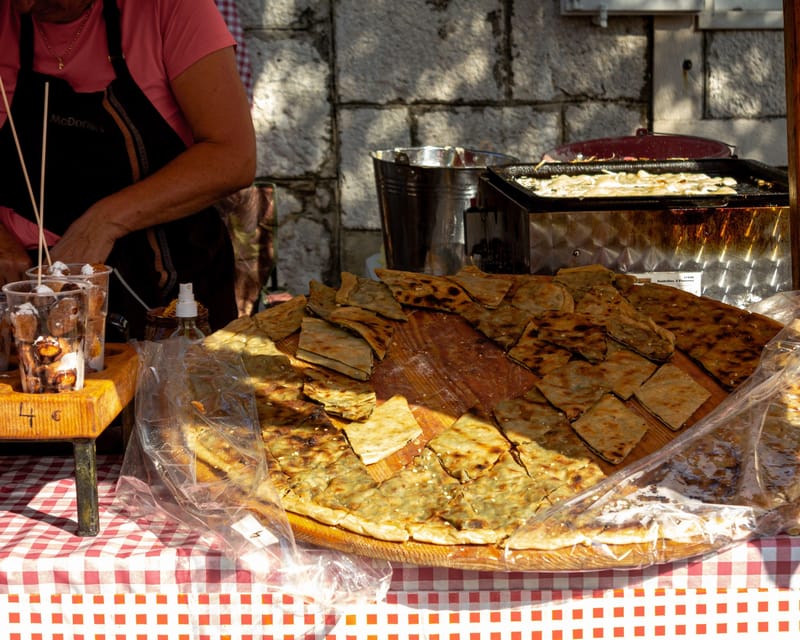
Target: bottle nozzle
<point>187,305</point>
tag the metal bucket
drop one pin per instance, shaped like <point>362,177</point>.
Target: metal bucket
<point>423,193</point>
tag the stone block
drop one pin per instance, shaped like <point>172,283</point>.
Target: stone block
<point>555,56</point>
<point>306,240</point>
<point>523,132</point>
<point>362,131</point>
<point>291,111</point>
<point>600,120</point>
<point>419,50</point>
<point>746,76</point>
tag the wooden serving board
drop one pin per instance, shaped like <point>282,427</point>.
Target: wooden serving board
<point>73,414</point>
<point>444,367</point>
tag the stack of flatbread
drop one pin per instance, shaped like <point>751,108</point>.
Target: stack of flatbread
<point>600,352</point>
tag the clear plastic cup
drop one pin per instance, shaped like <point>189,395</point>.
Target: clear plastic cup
<point>48,320</point>
<point>5,334</point>
<point>96,275</point>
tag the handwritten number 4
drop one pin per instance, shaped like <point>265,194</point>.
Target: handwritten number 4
<point>29,416</point>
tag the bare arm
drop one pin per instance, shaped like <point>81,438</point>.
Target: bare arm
<point>221,161</point>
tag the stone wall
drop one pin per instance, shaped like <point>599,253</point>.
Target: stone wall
<point>336,79</point>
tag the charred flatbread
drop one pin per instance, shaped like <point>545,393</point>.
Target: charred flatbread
<point>282,319</point>
<point>330,346</point>
<point>672,395</point>
<point>369,294</point>
<point>339,394</point>
<point>489,292</point>
<point>469,447</point>
<point>610,429</point>
<point>425,291</point>
<point>376,330</point>
<point>390,427</point>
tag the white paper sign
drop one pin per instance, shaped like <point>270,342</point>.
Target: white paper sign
<point>690,281</point>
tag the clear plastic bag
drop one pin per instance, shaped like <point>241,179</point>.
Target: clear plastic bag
<point>182,384</point>
<point>733,476</point>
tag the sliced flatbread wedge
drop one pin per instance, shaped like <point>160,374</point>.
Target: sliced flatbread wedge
<point>369,294</point>
<point>528,419</point>
<point>536,294</point>
<point>469,447</point>
<point>487,290</point>
<point>321,299</point>
<point>642,335</point>
<point>735,355</point>
<point>498,502</point>
<point>425,291</point>
<point>672,395</point>
<point>339,394</point>
<point>626,371</point>
<point>282,319</point>
<point>574,387</point>
<point>335,348</point>
<point>537,355</point>
<point>573,331</point>
<point>503,325</point>
<point>391,427</point>
<point>611,429</point>
<point>375,329</point>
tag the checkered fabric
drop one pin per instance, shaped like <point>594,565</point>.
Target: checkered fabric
<point>230,13</point>
<point>154,579</point>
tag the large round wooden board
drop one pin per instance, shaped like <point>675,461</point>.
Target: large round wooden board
<point>444,367</point>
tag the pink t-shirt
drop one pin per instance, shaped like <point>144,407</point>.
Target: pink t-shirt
<point>160,39</point>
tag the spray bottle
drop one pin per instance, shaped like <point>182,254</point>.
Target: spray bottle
<point>186,313</point>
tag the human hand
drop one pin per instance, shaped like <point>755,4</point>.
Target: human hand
<point>85,241</point>
<point>14,259</point>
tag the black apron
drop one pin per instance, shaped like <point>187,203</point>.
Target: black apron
<point>97,144</point>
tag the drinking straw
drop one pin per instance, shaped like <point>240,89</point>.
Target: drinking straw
<point>41,184</point>
<point>19,153</point>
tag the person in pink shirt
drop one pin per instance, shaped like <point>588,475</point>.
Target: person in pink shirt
<point>148,125</point>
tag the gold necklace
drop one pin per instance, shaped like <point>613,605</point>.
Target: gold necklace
<point>61,59</point>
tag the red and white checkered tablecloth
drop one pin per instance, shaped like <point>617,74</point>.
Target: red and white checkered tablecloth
<point>157,580</point>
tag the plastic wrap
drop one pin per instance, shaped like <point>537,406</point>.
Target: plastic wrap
<point>180,385</point>
<point>733,476</point>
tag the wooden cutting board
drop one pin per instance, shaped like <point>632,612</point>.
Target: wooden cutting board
<point>444,367</point>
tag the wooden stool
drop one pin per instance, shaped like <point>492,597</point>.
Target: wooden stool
<point>78,417</point>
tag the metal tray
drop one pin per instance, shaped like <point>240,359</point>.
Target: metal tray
<point>758,184</point>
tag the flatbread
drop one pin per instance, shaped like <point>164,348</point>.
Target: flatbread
<point>542,294</point>
<point>339,394</point>
<point>375,329</point>
<point>576,332</point>
<point>642,335</point>
<point>574,387</point>
<point>539,356</point>
<point>625,371</point>
<point>489,292</point>
<point>321,299</point>
<point>369,294</point>
<point>672,395</point>
<point>390,427</point>
<point>282,319</point>
<point>610,429</point>
<point>329,346</point>
<point>469,447</point>
<point>503,325</point>
<point>425,291</point>
<point>338,455</point>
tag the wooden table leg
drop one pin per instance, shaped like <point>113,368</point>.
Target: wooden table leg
<point>85,456</point>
